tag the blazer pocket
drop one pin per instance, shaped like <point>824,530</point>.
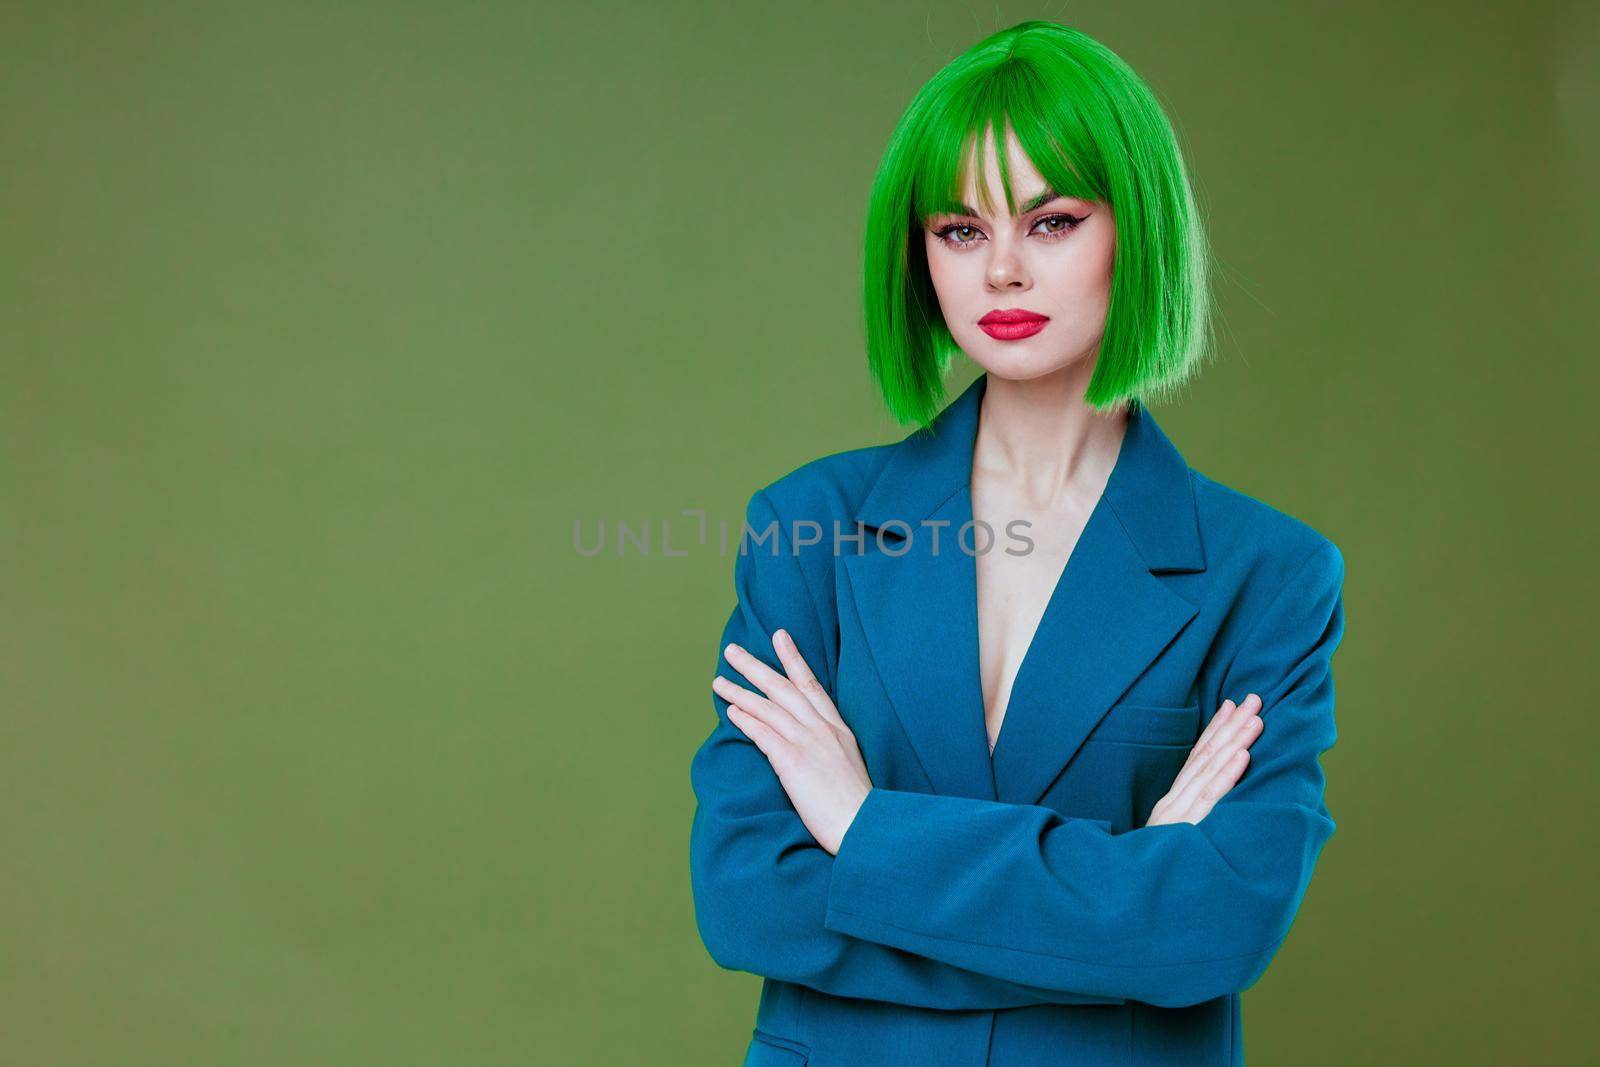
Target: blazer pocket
<point>769,1050</point>
<point>1149,724</point>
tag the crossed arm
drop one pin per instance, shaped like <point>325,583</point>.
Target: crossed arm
<point>952,902</point>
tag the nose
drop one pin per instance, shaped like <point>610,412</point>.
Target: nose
<point>1007,272</point>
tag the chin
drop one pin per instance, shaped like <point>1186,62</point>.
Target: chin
<point>1015,362</point>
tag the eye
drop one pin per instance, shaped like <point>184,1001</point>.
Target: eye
<point>1056,227</point>
<point>944,233</point>
<point>1068,223</point>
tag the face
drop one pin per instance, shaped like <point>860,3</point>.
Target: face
<point>1053,261</point>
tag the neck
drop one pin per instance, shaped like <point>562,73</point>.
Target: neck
<point>1039,437</point>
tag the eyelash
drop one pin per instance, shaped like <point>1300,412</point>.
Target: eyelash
<point>1072,223</point>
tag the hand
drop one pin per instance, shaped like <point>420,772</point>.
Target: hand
<point>1214,765</point>
<point>800,732</point>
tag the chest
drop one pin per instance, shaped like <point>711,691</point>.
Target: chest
<point>1115,657</point>
<point>1015,582</point>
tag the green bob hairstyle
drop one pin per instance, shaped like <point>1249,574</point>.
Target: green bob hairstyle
<point>1095,131</point>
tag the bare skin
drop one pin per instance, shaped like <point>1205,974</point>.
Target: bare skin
<point>796,726</point>
<point>1041,454</point>
<point>1015,587</point>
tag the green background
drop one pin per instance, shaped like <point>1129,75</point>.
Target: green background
<point>321,324</point>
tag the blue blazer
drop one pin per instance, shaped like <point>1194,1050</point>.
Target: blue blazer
<point>1015,909</point>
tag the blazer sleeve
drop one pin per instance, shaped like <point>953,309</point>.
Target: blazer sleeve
<point>1171,915</point>
<point>760,880</point>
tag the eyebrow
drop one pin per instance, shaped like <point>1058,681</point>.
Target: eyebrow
<point>1045,197</point>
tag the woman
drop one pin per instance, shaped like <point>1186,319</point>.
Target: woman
<point>1019,718</point>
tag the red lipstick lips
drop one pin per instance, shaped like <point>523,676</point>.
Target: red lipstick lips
<point>1012,324</point>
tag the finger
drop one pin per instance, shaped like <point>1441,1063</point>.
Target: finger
<point>768,740</point>
<point>1241,733</point>
<point>1224,728</point>
<point>1205,745</point>
<point>1228,733</point>
<point>1229,738</point>
<point>775,716</point>
<point>1225,778</point>
<point>1171,809</point>
<point>801,675</point>
<point>773,684</point>
<point>1219,785</point>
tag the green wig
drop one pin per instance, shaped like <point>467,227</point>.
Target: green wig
<point>1095,131</point>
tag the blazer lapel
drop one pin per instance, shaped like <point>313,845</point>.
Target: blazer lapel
<point>1107,619</point>
<point>917,598</point>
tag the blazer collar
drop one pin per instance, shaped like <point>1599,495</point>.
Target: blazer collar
<point>1108,618</point>
<point>1149,488</point>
